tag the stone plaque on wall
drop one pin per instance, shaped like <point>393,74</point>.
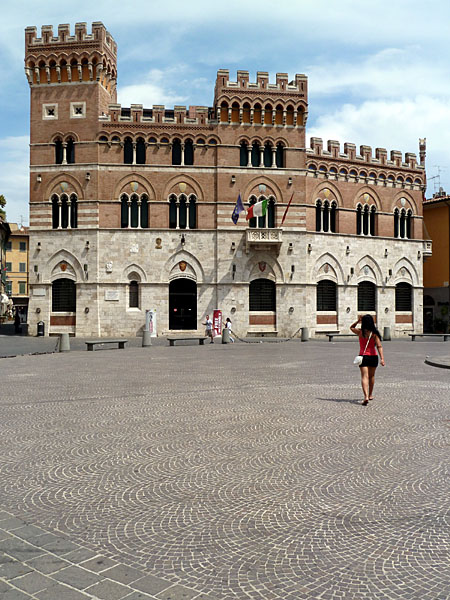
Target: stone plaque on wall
<point>38,291</point>
<point>111,294</point>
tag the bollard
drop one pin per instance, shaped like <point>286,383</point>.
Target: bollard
<point>226,336</point>
<point>64,343</point>
<point>146,339</point>
<point>40,328</point>
<point>386,334</point>
<point>305,334</point>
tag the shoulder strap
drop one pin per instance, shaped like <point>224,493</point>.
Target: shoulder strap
<point>368,340</point>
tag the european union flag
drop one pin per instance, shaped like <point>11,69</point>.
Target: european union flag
<point>237,209</point>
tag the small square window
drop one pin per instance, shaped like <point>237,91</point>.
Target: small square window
<point>77,110</point>
<point>8,246</point>
<point>9,288</point>
<point>22,287</point>
<point>9,267</point>
<point>49,111</point>
<point>22,267</point>
<point>23,246</point>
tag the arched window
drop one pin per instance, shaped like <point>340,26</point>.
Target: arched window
<point>73,212</point>
<point>256,154</point>
<point>124,211</point>
<point>403,297</point>
<point>268,114</point>
<point>359,219</point>
<point>63,295</point>
<point>262,295</point>
<point>134,211</point>
<point>140,151</point>
<point>246,113</point>
<point>279,156</point>
<point>144,210</point>
<point>252,222</point>
<point>366,296</point>
<point>188,152</point>
<point>64,212</point>
<point>243,154</point>
<point>409,224</point>
<point>267,154</point>
<point>182,212</point>
<point>176,152</point>
<point>257,114</point>
<point>55,211</point>
<point>290,115</point>
<point>279,115</point>
<point>58,152</point>
<point>192,212</point>
<point>128,151</point>
<point>365,219</point>
<point>133,294</point>
<point>271,213</point>
<point>326,295</point>
<point>173,212</point>
<point>333,211</point>
<point>224,112</point>
<point>319,215</point>
<point>326,216</point>
<point>70,151</point>
<point>235,112</point>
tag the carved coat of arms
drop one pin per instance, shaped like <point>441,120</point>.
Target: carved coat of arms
<point>262,266</point>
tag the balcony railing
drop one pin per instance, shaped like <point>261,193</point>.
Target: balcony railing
<point>264,238</point>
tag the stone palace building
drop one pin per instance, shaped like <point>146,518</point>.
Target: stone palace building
<point>130,207</point>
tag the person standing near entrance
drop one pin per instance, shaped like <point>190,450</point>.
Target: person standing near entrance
<point>209,328</point>
<point>369,344</point>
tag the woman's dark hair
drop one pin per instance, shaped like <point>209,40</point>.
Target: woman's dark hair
<point>368,325</point>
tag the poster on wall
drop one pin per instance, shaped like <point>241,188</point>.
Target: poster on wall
<point>217,322</point>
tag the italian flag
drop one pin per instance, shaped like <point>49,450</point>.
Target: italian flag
<point>257,210</point>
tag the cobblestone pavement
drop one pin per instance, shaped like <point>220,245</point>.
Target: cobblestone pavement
<point>240,471</point>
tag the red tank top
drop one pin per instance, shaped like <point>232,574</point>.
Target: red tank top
<point>371,349</point>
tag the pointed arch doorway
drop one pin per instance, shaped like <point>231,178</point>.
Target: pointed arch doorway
<point>182,304</point>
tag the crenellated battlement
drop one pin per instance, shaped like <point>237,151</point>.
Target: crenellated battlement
<point>282,90</point>
<point>179,115</point>
<point>98,33</point>
<point>350,155</point>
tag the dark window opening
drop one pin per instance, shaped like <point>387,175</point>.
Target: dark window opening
<point>403,297</point>
<point>262,295</point>
<point>326,295</point>
<point>134,294</point>
<point>366,296</point>
<point>63,296</point>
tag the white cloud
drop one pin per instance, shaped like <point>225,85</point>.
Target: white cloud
<point>14,182</point>
<point>156,88</point>
<point>389,73</point>
<point>397,123</point>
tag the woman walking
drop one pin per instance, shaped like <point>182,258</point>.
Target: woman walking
<point>369,343</point>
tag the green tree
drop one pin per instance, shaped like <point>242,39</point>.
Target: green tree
<point>2,204</point>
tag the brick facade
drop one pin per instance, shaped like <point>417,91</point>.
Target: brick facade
<point>109,186</point>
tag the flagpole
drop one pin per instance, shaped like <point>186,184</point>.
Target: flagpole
<point>287,208</point>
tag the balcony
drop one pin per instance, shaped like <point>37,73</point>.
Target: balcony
<point>263,239</point>
<point>427,249</point>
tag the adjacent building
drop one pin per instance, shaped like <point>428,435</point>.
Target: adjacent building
<point>130,207</point>
<point>436,272</point>
<point>5,302</point>
<point>17,269</point>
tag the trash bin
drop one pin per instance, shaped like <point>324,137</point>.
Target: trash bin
<point>40,328</point>
<point>226,336</point>
<point>305,334</point>
<point>386,334</point>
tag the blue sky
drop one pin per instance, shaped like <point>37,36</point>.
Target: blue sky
<point>378,71</point>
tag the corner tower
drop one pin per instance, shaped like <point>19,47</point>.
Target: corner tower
<point>72,79</point>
